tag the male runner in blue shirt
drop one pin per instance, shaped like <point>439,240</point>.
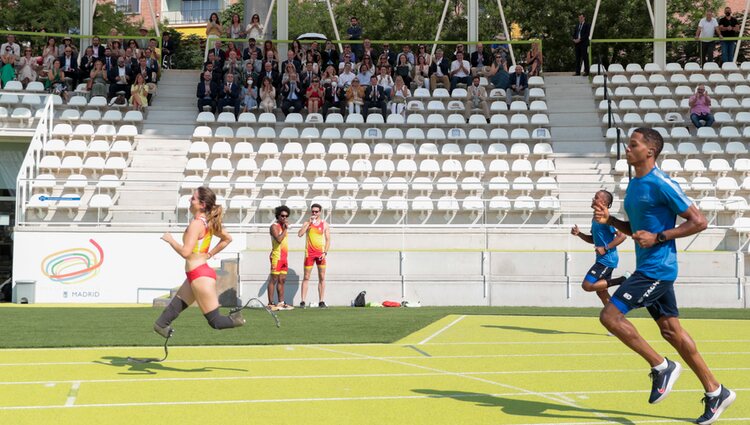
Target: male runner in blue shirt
<point>652,202</point>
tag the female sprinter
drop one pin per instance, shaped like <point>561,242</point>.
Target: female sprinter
<point>200,284</point>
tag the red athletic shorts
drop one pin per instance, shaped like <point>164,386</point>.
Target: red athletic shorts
<point>314,259</point>
<point>279,266</point>
<point>204,270</point>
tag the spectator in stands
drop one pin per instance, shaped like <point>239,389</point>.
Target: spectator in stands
<point>98,82</point>
<point>248,72</point>
<point>110,61</point>
<point>700,108</point>
<point>235,30</point>
<point>272,74</point>
<point>67,42</point>
<point>385,80</point>
<point>69,64</point>
<point>26,67</point>
<point>500,47</point>
<point>389,55</point>
<point>270,53</point>
<point>87,63</point>
<point>329,75</point>
<point>335,97</point>
<point>480,61</point>
<point>476,98</point>
<point>279,262</point>
<point>708,27</point>
<point>167,50</point>
<point>153,63</point>
<point>375,97</point>
<point>255,63</point>
<point>406,51</point>
<point>347,60</point>
<point>229,95</point>
<point>139,93</point>
<point>365,69</point>
<point>314,95</point>
<point>115,50</point>
<point>308,75</point>
<point>14,47</point>
<point>119,78</point>
<point>498,75</point>
<point>313,57</point>
<point>254,29</point>
<point>581,42</point>
<point>355,33</point>
<point>368,50</point>
<point>8,66</point>
<point>534,60</point>
<point>231,47</point>
<point>249,94</point>
<point>346,77</point>
<point>460,70</point>
<point>219,53</point>
<point>355,95</point>
<point>287,72</point>
<point>207,93</point>
<point>382,62</point>
<point>421,73</point>
<point>49,53</point>
<point>422,51</point>
<point>251,47</point>
<point>299,52</point>
<point>404,69</point>
<point>291,92</point>
<point>271,57</point>
<point>97,47</point>
<point>143,69</point>
<point>267,95</point>
<point>330,55</point>
<point>401,92</point>
<point>728,27</point>
<point>232,65</point>
<point>291,59</point>
<point>517,86</point>
<point>459,49</point>
<point>143,41</point>
<point>439,71</point>
<point>213,27</point>
<point>55,80</point>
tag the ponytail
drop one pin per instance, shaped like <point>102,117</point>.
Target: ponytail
<point>214,218</point>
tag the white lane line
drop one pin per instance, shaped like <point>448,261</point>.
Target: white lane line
<point>426,340</point>
<point>72,394</point>
<point>338,359</point>
<point>601,341</point>
<point>49,383</point>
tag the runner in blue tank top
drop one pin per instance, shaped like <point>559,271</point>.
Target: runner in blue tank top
<point>605,239</point>
<point>653,201</point>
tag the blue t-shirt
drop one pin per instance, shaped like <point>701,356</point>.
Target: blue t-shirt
<point>603,235</point>
<point>653,203</point>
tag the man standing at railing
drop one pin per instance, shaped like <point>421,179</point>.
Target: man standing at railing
<point>708,27</point>
<point>581,42</point>
<point>729,27</point>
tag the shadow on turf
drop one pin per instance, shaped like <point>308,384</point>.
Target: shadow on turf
<point>541,331</point>
<point>542,409</point>
<point>153,368</point>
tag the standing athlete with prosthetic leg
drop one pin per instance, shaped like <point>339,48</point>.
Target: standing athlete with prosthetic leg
<point>652,202</point>
<point>605,240</point>
<point>200,284</point>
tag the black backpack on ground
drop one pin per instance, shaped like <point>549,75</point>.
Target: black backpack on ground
<point>360,300</point>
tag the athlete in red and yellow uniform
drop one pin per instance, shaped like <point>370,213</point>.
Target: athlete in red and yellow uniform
<point>318,240</point>
<point>278,257</point>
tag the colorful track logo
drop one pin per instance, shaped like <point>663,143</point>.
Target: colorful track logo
<point>73,265</point>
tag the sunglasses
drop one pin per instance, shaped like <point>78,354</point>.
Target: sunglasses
<point>283,215</point>
<point>315,211</point>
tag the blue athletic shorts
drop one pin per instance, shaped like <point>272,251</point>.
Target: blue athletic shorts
<point>598,271</point>
<point>642,291</point>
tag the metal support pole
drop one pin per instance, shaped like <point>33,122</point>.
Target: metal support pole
<point>268,20</point>
<point>401,261</point>
<point>568,289</point>
<point>86,23</point>
<point>742,30</point>
<point>660,31</point>
<point>440,26</point>
<point>507,33</point>
<point>651,14</point>
<point>333,21</point>
<point>282,26</point>
<point>472,21</point>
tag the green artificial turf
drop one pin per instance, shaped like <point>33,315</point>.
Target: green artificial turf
<point>27,327</point>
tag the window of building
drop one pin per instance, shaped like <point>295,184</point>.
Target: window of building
<point>198,10</point>
<point>128,6</point>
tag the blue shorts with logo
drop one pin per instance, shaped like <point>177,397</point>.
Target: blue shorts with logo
<point>642,291</point>
<point>597,272</point>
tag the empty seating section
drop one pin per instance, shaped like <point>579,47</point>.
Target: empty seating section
<point>710,163</point>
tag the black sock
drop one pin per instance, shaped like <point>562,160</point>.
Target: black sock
<point>616,281</point>
<point>217,321</point>
<point>170,313</point>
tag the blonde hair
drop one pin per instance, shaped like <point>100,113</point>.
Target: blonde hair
<point>214,213</point>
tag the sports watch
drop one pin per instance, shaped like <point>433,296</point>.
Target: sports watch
<point>661,237</point>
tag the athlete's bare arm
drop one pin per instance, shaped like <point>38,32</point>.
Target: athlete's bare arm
<point>189,239</point>
<point>278,231</point>
<point>601,215</point>
<point>695,222</point>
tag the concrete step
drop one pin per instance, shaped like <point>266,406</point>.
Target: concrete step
<point>168,130</point>
<point>141,215</point>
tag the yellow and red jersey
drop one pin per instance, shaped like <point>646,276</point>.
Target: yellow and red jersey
<point>315,243</point>
<point>279,253</point>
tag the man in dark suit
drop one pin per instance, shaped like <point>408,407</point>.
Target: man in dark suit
<point>291,95</point>
<point>329,56</point>
<point>69,65</point>
<point>120,78</point>
<point>291,58</point>
<point>145,70</point>
<point>207,93</point>
<point>168,47</point>
<point>479,59</point>
<point>108,60</point>
<point>230,94</point>
<point>518,85</point>
<point>374,97</point>
<point>335,97</point>
<point>250,47</point>
<point>270,72</point>
<point>439,70</point>
<point>97,47</point>
<point>581,42</point>
<point>219,54</point>
<point>389,54</point>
